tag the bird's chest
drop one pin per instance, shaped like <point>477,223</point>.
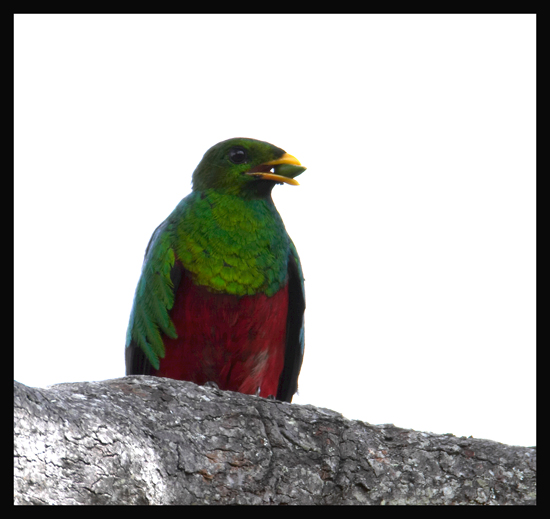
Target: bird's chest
<point>233,246</point>
<point>236,342</point>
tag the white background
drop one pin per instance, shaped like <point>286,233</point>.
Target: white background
<point>415,220</point>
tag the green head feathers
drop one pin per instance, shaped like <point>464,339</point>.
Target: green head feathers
<point>245,167</point>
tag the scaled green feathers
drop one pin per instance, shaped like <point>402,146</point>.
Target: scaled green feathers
<point>231,245</point>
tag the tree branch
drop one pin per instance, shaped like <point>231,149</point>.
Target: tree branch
<point>148,440</point>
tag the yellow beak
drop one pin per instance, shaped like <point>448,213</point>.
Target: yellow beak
<point>267,175</point>
<point>287,158</point>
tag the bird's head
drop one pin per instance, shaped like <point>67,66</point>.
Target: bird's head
<point>245,167</point>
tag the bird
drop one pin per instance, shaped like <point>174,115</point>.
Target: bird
<point>220,299</point>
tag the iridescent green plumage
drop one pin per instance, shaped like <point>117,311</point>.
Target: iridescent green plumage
<point>230,244</point>
<point>227,235</point>
<point>154,297</point>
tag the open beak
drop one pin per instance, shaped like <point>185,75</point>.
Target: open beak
<point>264,170</point>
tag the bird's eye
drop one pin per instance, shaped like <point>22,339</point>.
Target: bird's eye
<point>238,155</point>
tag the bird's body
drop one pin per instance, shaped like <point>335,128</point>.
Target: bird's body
<point>220,298</point>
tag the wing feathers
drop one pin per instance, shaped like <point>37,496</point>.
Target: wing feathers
<point>153,301</point>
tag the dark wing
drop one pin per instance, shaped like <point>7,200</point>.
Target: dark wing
<point>294,351</point>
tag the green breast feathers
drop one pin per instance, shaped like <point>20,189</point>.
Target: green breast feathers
<point>231,245</point>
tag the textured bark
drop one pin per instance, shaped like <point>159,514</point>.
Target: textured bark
<point>147,440</point>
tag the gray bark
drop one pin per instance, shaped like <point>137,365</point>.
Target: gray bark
<point>148,440</point>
